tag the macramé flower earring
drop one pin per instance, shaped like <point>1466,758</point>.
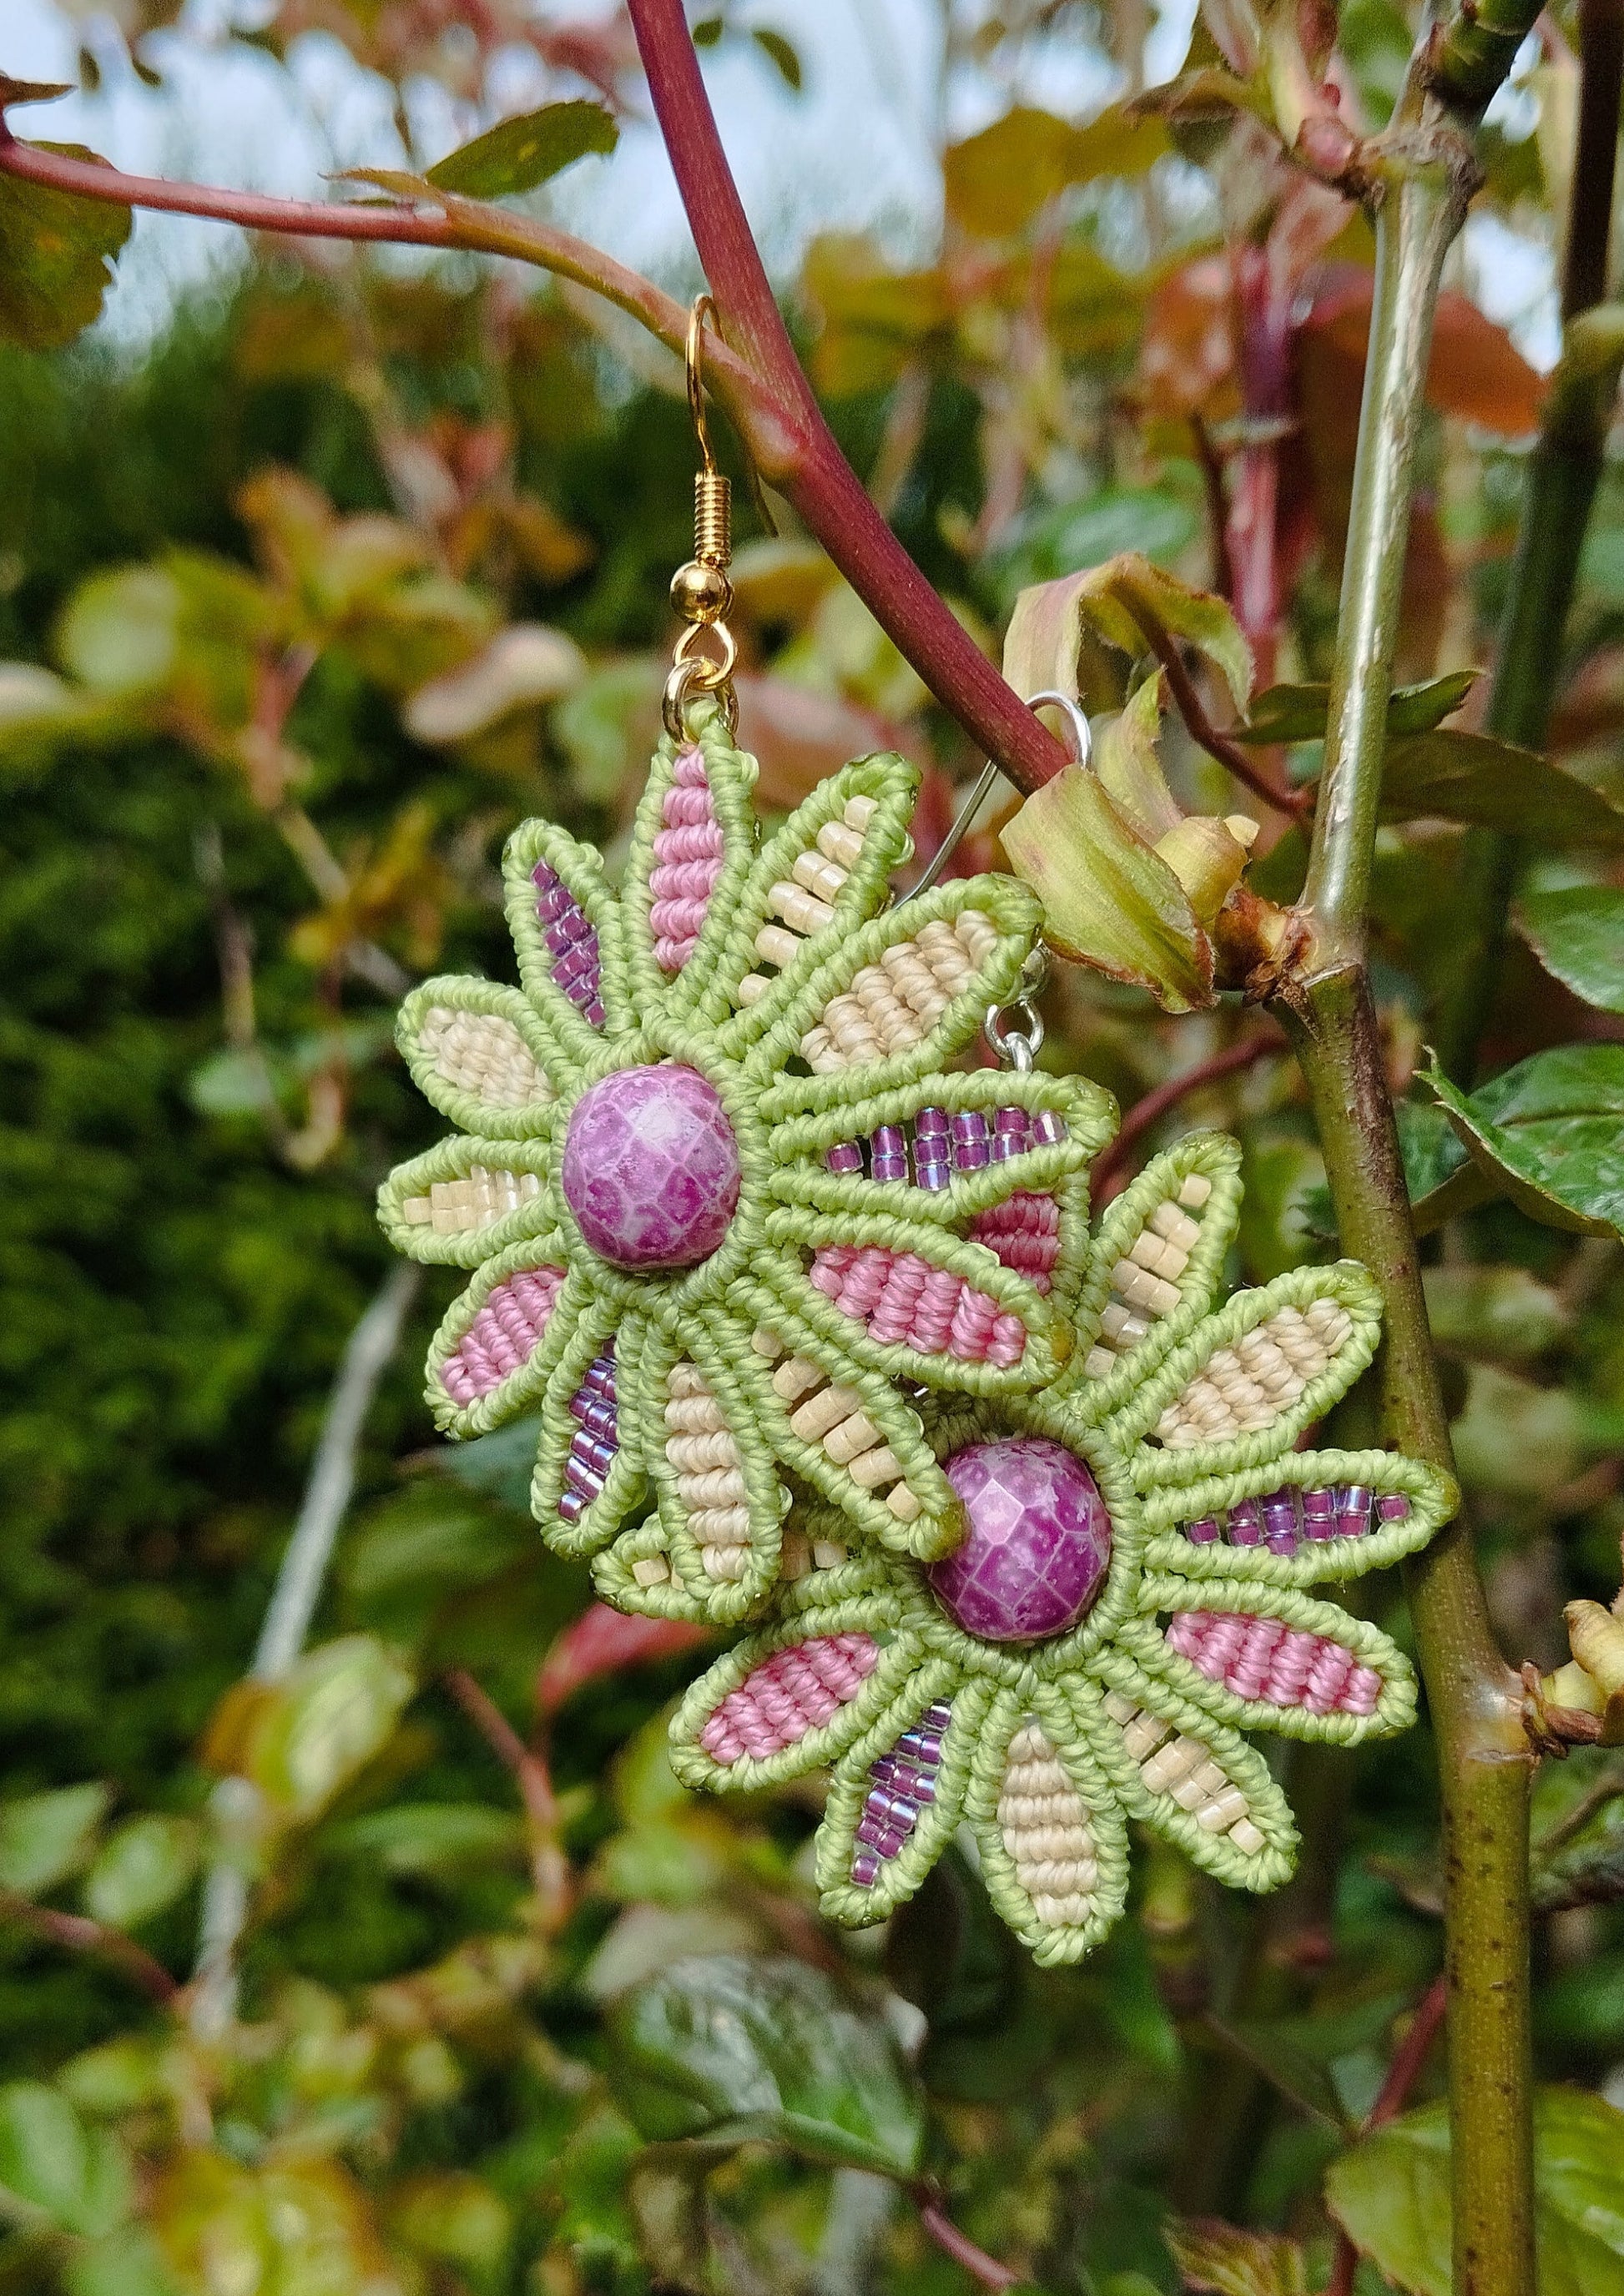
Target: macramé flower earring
<point>728,1209</point>
<point>1132,1593</point>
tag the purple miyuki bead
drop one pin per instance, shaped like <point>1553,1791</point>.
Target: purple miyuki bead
<point>1353,1510</point>
<point>1202,1532</point>
<point>1245,1524</point>
<point>1393,1506</point>
<point>1280,1522</point>
<point>1048,1128</point>
<point>1011,1134</point>
<point>845,1156</point>
<point>890,1153</point>
<point>1318,1515</point>
<point>970,1150</point>
<point>865,1869</point>
<point>901,1784</point>
<point>932,1152</point>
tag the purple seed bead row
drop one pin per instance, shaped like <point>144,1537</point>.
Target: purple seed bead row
<point>1285,1518</point>
<point>904,1784</point>
<point>596,1440</point>
<point>966,1143</point>
<point>571,940</point>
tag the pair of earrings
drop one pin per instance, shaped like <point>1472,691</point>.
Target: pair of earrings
<point>817,1333</point>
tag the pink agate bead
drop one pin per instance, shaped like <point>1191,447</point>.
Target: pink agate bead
<point>650,1167</point>
<point>1038,1545</point>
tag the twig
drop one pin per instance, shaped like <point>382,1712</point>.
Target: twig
<point>985,2269</point>
<point>1146,1113</point>
<point>287,1622</point>
<point>78,1933</point>
<point>1295,804</point>
<point>549,1866</point>
<point>1402,2075</point>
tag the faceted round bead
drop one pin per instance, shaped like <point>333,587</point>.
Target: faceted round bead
<point>1038,1545</point>
<point>651,1167</point>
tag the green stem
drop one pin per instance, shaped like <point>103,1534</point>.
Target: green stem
<point>1563,474</point>
<point>1418,220</point>
<point>1483,1757</point>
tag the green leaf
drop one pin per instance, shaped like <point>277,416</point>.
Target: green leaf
<point>144,1866</point>
<point>78,2176</point>
<point>522,153</point>
<point>1297,713</point>
<point>301,1740</point>
<point>1222,2258</point>
<point>431,1837</point>
<point>1390,2195</point>
<point>452,2218</point>
<point>1120,602</point>
<point>1471,777</point>
<point>996,181</point>
<point>736,2050</point>
<point>56,255</point>
<point>779,53</point>
<point>45,1837</point>
<point>124,2263</point>
<point>1494,1315</point>
<point>1550,1132</point>
<point>1109,902</point>
<point>1149,518</point>
<point>1577,934</point>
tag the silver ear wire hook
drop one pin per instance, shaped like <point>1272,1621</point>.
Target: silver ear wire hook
<point>965,818</point>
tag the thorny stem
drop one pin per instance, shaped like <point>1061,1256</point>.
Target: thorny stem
<point>1564,471</point>
<point>1109,1174</point>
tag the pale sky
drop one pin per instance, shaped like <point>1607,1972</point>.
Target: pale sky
<point>854,152</point>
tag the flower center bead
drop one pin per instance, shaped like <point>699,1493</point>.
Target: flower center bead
<point>1038,1545</point>
<point>650,1167</point>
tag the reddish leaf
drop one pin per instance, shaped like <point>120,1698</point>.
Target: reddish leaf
<point>601,1642</point>
<point>1475,371</point>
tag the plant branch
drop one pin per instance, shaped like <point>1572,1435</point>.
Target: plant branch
<point>800,455</point>
<point>287,1620</point>
<point>1296,804</point>
<point>1145,1114</point>
<point>463,224</point>
<point>549,1866</point>
<point>1427,174</point>
<point>78,1933</point>
<point>984,2269</point>
<point>1402,2075</point>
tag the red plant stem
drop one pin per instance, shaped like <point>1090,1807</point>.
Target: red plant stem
<point>1296,804</point>
<point>811,468</point>
<point>1109,1177</point>
<point>1394,2094</point>
<point>985,2269</point>
<point>548,1865</point>
<point>78,1933</point>
<point>1265,311</point>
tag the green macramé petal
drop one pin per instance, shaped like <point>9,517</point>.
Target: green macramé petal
<point>479,1052</point>
<point>1048,1825</point>
<point>855,1904</point>
<point>1294,1652</point>
<point>730,775</point>
<point>1212,1488</point>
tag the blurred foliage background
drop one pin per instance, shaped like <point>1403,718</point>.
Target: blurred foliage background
<point>302,607</point>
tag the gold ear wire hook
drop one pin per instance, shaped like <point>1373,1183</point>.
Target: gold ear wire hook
<point>703,309</point>
<point>701,591</point>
